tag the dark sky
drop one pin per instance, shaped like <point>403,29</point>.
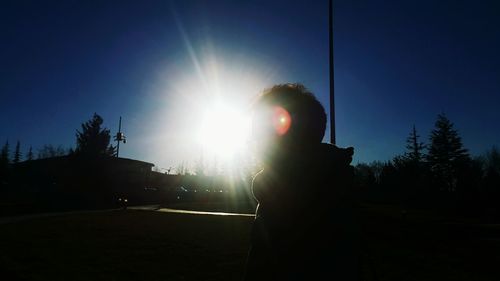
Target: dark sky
<point>397,63</point>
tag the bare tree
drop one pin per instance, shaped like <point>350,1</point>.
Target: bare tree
<point>49,151</point>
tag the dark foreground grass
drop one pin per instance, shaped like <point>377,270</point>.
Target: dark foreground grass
<point>125,245</point>
<point>422,246</point>
<point>142,245</point>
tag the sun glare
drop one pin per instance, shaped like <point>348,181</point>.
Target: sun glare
<point>203,106</point>
<point>224,131</point>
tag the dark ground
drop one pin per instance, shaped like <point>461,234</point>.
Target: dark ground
<point>143,245</point>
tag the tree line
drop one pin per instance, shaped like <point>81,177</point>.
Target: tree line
<point>91,139</point>
<point>46,151</point>
<point>439,174</point>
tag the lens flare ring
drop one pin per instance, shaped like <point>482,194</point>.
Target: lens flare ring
<point>282,120</point>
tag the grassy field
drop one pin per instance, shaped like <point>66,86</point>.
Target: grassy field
<point>143,245</point>
<point>425,247</point>
<point>125,245</point>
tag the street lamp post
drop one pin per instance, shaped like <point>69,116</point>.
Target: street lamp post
<point>120,137</point>
<point>332,80</point>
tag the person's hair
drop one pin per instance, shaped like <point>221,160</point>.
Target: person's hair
<point>307,114</point>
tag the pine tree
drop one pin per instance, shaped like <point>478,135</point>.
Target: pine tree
<point>414,147</point>
<point>94,140</point>
<point>4,154</point>
<point>30,154</point>
<point>414,156</point>
<point>17,153</point>
<point>446,151</point>
<point>4,162</point>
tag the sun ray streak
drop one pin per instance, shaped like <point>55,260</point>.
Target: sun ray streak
<point>190,49</point>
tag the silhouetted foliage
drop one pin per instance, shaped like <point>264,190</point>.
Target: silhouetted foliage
<point>93,140</point>
<point>30,156</point>
<point>446,153</point>
<point>4,162</point>
<point>17,153</point>
<point>49,151</point>
<point>492,161</point>
<point>446,179</point>
<point>415,148</point>
<point>365,176</point>
<point>4,154</point>
<point>491,182</point>
<point>411,171</point>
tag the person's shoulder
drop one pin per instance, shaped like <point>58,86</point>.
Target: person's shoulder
<point>337,155</point>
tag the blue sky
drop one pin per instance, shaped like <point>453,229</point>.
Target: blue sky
<point>156,63</point>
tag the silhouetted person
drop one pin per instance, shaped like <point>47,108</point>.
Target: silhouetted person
<point>304,227</point>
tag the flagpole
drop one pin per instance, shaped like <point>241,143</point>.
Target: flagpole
<point>332,81</point>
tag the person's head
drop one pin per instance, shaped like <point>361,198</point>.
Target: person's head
<point>288,115</point>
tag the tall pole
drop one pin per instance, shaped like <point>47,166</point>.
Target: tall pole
<point>118,139</point>
<point>332,81</point>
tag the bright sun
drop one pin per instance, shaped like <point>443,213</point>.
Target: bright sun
<point>224,131</point>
